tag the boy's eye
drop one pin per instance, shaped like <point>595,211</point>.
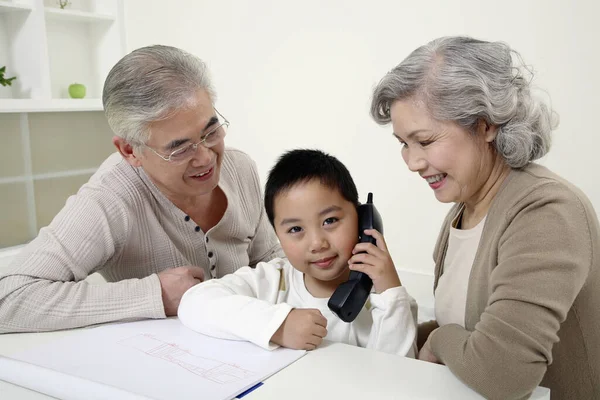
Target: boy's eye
<point>295,229</point>
<point>330,221</point>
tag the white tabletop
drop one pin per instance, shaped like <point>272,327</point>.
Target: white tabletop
<point>14,343</point>
<point>338,370</point>
<point>334,370</point>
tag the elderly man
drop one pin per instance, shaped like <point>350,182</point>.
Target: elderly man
<point>172,208</point>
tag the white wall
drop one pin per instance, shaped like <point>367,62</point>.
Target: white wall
<point>300,74</point>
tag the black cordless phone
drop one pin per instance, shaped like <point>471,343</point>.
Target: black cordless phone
<point>350,297</point>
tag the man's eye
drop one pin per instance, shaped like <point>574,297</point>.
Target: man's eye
<point>426,143</point>
<point>207,136</point>
<point>184,151</point>
<point>295,229</point>
<point>330,220</point>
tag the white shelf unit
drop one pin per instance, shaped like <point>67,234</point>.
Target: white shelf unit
<point>44,158</point>
<point>9,6</point>
<point>47,49</point>
<point>79,16</point>
<point>53,105</point>
<point>49,175</point>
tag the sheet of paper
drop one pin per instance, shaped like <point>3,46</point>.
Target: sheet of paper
<point>156,359</point>
<point>66,387</point>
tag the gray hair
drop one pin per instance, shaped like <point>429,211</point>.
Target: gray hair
<point>150,84</point>
<point>466,80</point>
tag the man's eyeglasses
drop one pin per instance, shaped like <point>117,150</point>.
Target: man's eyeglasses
<point>212,137</point>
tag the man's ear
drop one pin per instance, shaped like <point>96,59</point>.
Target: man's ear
<point>487,130</point>
<point>126,151</point>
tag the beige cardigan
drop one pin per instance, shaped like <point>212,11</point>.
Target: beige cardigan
<point>533,301</point>
<point>120,225</point>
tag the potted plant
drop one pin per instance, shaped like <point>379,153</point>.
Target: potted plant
<point>63,4</point>
<point>5,81</point>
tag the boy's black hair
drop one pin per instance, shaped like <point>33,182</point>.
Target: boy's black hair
<point>303,165</point>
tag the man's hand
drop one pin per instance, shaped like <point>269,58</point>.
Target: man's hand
<point>174,282</point>
<point>375,261</point>
<point>303,329</point>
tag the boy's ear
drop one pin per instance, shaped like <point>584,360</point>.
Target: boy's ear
<point>127,151</point>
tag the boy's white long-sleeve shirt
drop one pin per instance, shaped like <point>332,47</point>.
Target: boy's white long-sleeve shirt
<point>252,303</point>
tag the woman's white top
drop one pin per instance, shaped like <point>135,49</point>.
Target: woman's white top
<point>451,291</point>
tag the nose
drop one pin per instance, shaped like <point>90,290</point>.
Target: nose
<point>414,159</point>
<point>202,156</point>
<point>318,242</point>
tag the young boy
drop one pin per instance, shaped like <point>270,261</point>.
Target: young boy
<point>311,201</point>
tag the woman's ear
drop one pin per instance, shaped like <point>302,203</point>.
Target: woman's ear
<point>487,130</point>
<point>126,150</point>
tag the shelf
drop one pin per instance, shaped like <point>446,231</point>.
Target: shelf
<point>54,105</point>
<point>9,6</point>
<point>49,141</point>
<point>77,16</point>
<point>49,175</point>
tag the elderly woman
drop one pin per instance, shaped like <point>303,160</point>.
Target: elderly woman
<point>517,262</point>
<point>173,207</point>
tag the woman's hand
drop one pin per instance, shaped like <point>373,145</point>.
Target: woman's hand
<point>425,354</point>
<point>375,261</point>
<point>424,330</point>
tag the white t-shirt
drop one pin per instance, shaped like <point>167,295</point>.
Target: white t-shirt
<point>252,303</point>
<point>451,291</point>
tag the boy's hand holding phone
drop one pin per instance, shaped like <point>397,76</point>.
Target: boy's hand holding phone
<point>303,329</point>
<point>376,262</point>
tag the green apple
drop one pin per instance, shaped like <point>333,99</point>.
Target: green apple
<point>77,91</point>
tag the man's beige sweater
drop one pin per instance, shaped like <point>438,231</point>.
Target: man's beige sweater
<point>120,225</point>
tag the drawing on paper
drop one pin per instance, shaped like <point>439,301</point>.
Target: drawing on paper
<point>213,370</point>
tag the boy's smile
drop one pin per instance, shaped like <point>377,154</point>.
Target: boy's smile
<point>325,262</point>
<point>317,229</point>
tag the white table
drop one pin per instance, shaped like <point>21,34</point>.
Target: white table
<point>340,371</point>
<point>334,370</point>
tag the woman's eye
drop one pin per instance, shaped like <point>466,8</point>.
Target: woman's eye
<point>330,220</point>
<point>402,142</point>
<point>295,229</point>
